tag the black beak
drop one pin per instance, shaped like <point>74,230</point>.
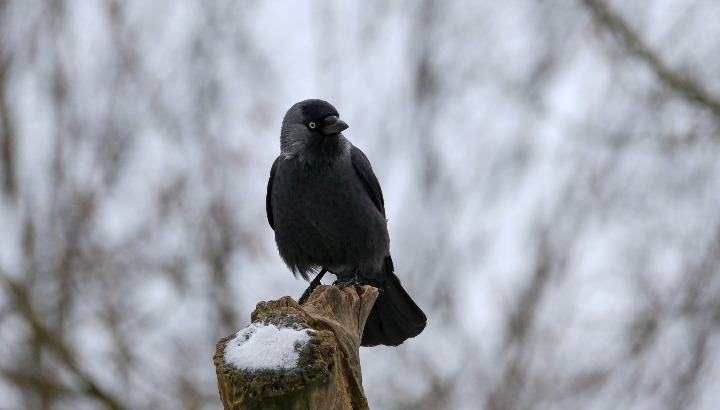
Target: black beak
<point>332,125</point>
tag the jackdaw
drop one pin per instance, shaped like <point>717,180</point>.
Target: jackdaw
<point>326,207</point>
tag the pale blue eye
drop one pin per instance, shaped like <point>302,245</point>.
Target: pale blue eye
<point>311,125</point>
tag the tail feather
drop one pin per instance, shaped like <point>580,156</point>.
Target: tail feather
<point>394,318</point>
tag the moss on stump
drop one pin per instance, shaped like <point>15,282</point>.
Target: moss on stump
<point>327,375</point>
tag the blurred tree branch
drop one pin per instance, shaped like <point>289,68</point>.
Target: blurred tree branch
<point>7,134</point>
<point>53,342</point>
<point>631,40</point>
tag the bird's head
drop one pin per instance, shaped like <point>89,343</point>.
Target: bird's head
<point>312,129</point>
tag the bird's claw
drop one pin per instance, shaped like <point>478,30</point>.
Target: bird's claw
<point>352,281</point>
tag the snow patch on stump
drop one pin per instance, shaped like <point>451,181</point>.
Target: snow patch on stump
<point>266,347</point>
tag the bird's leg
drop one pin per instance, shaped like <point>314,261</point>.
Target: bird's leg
<point>315,283</point>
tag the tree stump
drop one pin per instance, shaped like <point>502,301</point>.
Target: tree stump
<point>298,357</point>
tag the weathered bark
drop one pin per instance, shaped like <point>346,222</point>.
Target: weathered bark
<point>328,372</point>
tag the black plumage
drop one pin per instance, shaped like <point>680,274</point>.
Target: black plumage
<point>327,209</point>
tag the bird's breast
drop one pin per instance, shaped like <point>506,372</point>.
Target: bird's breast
<point>325,214</point>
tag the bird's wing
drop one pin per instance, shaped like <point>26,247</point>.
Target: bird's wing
<point>368,178</point>
<point>268,197</point>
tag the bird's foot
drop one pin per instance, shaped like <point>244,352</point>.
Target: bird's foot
<point>346,282</point>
